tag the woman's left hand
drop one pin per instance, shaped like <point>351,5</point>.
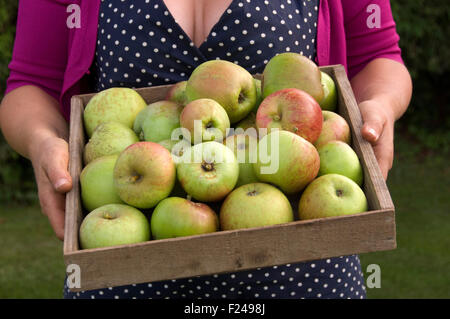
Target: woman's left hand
<point>378,129</point>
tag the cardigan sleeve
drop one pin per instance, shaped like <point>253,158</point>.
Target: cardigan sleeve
<point>40,48</point>
<point>370,33</point>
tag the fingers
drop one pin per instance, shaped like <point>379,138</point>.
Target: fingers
<point>53,206</point>
<point>374,122</point>
<point>56,164</point>
<point>53,181</point>
<point>378,129</point>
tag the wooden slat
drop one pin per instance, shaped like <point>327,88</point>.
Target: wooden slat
<point>228,251</point>
<point>74,214</point>
<point>374,185</point>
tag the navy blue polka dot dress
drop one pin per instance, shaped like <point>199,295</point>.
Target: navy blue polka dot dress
<point>140,44</point>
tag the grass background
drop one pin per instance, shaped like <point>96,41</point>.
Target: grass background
<point>31,263</point>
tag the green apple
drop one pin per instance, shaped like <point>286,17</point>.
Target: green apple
<point>291,110</point>
<point>259,97</point>
<point>112,225</point>
<point>206,120</point>
<point>245,148</point>
<point>334,128</point>
<point>208,172</point>
<point>177,93</point>
<point>337,157</point>
<point>178,217</point>
<point>255,205</point>
<point>292,70</point>
<point>97,184</point>
<point>108,138</point>
<point>286,160</point>
<point>229,84</point>
<point>247,126</point>
<point>329,101</point>
<point>331,195</point>
<point>144,174</point>
<point>156,122</point>
<point>112,105</point>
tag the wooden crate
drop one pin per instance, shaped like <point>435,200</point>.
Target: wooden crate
<point>231,251</point>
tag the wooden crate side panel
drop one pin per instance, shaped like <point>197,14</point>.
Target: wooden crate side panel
<point>230,251</point>
<point>74,213</point>
<point>374,185</point>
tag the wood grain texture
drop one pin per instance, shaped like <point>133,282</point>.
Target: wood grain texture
<point>234,250</point>
<point>74,213</point>
<point>228,251</point>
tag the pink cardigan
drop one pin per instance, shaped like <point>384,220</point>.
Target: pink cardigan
<point>55,58</point>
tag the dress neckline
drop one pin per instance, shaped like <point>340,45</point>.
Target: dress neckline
<point>212,31</point>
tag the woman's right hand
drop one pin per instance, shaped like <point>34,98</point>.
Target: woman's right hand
<point>50,160</point>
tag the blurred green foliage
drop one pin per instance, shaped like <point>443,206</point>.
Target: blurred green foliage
<point>423,28</point>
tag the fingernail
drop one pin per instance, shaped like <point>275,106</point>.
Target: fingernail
<point>373,133</point>
<point>60,182</point>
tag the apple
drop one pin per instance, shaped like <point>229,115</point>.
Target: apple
<point>329,101</point>
<point>331,195</point>
<point>227,83</point>
<point>107,139</point>
<point>97,184</point>
<point>337,157</point>
<point>292,70</point>
<point>291,110</point>
<point>112,105</point>
<point>334,128</point>
<point>245,149</point>
<point>112,225</point>
<point>255,205</point>
<point>206,120</point>
<point>177,93</point>
<point>178,217</point>
<point>286,160</point>
<point>157,121</point>
<point>247,126</point>
<point>144,174</point>
<point>208,172</point>
<point>259,97</point>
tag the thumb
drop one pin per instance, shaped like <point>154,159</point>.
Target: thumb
<point>373,123</point>
<point>56,168</point>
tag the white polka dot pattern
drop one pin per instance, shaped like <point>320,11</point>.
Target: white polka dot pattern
<point>140,44</point>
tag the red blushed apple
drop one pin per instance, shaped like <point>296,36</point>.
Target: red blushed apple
<point>334,128</point>
<point>291,110</point>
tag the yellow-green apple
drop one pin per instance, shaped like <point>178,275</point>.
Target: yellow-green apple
<point>229,84</point>
<point>334,128</point>
<point>178,217</point>
<point>259,97</point>
<point>291,110</point>
<point>108,138</point>
<point>292,70</point>
<point>112,105</point>
<point>245,148</point>
<point>157,121</point>
<point>247,126</point>
<point>176,147</point>
<point>286,160</point>
<point>206,120</point>
<point>208,172</point>
<point>337,157</point>
<point>177,93</point>
<point>331,195</point>
<point>144,174</point>
<point>112,225</point>
<point>329,101</point>
<point>255,205</point>
<point>97,184</point>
